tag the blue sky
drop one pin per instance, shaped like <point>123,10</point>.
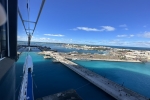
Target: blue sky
<point>102,22</point>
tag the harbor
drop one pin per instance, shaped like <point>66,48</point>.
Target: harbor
<point>115,90</point>
<point>52,78</point>
<point>52,50</point>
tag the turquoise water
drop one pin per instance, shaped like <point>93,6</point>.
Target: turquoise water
<point>135,76</point>
<point>50,78</point>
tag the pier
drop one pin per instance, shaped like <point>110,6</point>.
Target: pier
<point>41,48</point>
<point>115,90</point>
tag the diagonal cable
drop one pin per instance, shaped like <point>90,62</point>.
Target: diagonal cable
<point>43,1</point>
<point>22,20</point>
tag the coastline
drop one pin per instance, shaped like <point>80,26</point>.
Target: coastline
<point>117,60</point>
<point>91,57</point>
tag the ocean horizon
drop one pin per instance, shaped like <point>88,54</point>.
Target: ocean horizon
<point>112,46</point>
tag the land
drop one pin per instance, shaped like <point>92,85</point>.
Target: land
<point>114,54</point>
<point>115,90</point>
<point>111,54</point>
<point>88,56</point>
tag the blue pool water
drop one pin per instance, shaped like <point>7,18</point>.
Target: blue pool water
<point>50,78</point>
<point>135,76</point>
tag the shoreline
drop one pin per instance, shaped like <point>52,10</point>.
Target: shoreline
<point>113,60</point>
<point>88,57</point>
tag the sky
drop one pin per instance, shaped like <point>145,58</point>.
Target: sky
<point>97,22</point>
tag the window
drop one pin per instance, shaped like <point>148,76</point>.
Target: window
<point>3,33</point>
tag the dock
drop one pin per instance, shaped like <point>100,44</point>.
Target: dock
<point>115,90</point>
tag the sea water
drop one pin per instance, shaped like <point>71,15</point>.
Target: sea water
<point>60,48</point>
<point>50,78</point>
<point>135,76</point>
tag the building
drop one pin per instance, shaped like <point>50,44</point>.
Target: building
<point>8,50</point>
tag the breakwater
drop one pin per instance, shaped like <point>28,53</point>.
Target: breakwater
<point>115,90</point>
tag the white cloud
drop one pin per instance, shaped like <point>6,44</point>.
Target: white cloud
<point>42,38</point>
<point>129,43</point>
<point>122,36</point>
<point>117,42</point>
<point>131,35</point>
<point>104,28</point>
<point>22,38</point>
<point>34,38</point>
<point>145,26</point>
<point>86,29</point>
<point>141,43</point>
<point>108,28</point>
<point>58,35</point>
<point>146,34</point>
<point>123,25</point>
